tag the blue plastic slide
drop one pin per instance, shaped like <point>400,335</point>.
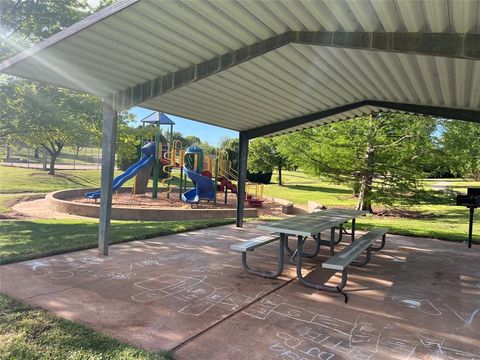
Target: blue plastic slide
<point>204,188</point>
<point>146,159</point>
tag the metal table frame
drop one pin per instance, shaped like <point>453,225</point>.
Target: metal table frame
<point>333,219</point>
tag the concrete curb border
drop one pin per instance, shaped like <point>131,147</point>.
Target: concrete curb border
<point>59,201</point>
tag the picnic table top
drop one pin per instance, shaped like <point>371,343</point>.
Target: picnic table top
<point>313,223</point>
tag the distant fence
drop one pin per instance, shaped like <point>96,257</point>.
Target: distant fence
<point>69,159</point>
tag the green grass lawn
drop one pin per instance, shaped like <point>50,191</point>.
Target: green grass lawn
<point>23,240</point>
<point>27,332</point>
<point>19,180</point>
<point>441,219</point>
<point>5,201</point>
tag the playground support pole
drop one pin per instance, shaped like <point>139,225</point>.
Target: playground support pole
<point>156,164</point>
<point>108,165</point>
<point>215,177</point>
<point>242,176</point>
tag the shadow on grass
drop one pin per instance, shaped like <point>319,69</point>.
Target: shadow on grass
<point>26,240</point>
<point>318,189</point>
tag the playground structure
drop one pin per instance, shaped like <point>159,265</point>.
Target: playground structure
<point>210,174</point>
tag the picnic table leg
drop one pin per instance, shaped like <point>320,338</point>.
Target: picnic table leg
<point>305,282</point>
<point>268,274</point>
<point>332,240</point>
<point>353,230</point>
<point>294,253</point>
<point>381,245</point>
<point>341,231</point>
<point>287,247</point>
<point>367,258</point>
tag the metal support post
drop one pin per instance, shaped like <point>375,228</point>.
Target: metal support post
<point>242,176</point>
<point>156,164</point>
<point>215,177</point>
<point>470,227</point>
<point>108,166</point>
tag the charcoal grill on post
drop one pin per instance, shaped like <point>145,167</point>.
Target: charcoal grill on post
<point>471,201</point>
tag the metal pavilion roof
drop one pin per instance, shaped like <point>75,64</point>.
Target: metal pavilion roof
<point>267,67</point>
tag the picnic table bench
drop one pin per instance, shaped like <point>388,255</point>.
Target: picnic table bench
<point>312,225</point>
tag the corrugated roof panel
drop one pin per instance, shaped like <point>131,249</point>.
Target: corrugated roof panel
<point>119,65</point>
<point>114,50</point>
<point>150,23</point>
<point>261,77</point>
<point>344,15</point>
<point>436,15</point>
<point>230,88</point>
<point>322,72</point>
<point>279,9</point>
<point>229,25</point>
<point>464,16</point>
<point>280,66</point>
<point>388,15</point>
<point>365,14</point>
<point>103,46</point>
<point>411,13</point>
<point>254,77</point>
<point>475,86</point>
<point>229,96</point>
<point>399,76</point>
<point>181,26</point>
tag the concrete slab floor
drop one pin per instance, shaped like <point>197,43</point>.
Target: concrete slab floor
<point>417,299</point>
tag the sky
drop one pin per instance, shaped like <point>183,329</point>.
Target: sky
<point>207,133</point>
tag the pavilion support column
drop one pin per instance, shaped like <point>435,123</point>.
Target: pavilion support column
<point>242,176</point>
<point>108,166</point>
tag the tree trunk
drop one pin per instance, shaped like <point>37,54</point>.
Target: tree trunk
<point>366,178</point>
<point>36,154</point>
<point>365,193</point>
<point>53,158</point>
<point>54,151</point>
<point>9,152</point>
<point>356,188</point>
<point>44,162</point>
<point>280,175</point>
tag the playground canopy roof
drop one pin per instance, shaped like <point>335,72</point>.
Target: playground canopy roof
<point>268,67</point>
<point>157,117</point>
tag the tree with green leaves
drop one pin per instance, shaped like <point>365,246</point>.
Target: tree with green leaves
<point>381,157</point>
<point>25,23</point>
<point>47,117</point>
<point>36,114</point>
<point>461,145</point>
<point>229,147</point>
<point>264,157</point>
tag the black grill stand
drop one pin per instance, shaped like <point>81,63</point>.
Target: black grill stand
<point>470,226</point>
<point>471,201</point>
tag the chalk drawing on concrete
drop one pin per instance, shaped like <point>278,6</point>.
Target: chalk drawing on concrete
<point>466,318</point>
<point>88,266</point>
<point>423,305</point>
<point>199,295</point>
<point>316,336</point>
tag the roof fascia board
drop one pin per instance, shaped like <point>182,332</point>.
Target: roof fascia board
<point>464,46</point>
<point>448,113</point>
<point>437,111</point>
<point>66,33</point>
<point>301,120</point>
